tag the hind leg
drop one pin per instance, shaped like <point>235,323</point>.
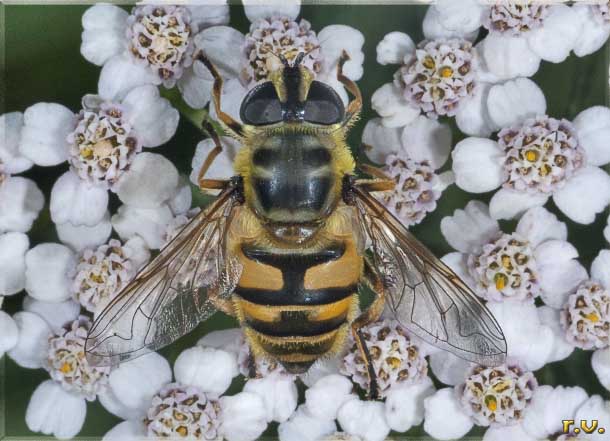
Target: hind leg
<point>370,278</point>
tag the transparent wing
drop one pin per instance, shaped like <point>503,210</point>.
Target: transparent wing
<point>172,294</point>
<point>424,294</point>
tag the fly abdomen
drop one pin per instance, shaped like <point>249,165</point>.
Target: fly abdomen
<point>301,320</point>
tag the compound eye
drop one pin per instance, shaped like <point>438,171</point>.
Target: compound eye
<point>261,106</point>
<point>323,105</point>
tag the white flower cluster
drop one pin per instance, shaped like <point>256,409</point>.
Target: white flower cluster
<point>546,302</point>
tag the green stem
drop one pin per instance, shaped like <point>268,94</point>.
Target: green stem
<point>194,116</point>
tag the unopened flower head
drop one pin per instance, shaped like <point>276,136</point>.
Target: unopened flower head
<point>416,190</point>
<point>100,275</point>
<point>67,364</point>
<point>103,144</point>
<point>396,360</point>
<point>585,317</point>
<point>161,37</point>
<point>505,269</point>
<point>439,77</point>
<point>184,412</point>
<point>514,18</point>
<point>497,395</point>
<point>541,154</point>
<point>269,38</point>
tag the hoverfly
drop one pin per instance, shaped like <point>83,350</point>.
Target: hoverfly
<point>289,241</point>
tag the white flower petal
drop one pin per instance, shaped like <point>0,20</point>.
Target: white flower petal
<point>444,418</point>
<point>445,179</point>
<point>230,340</point>
<point>561,348</point>
<point>595,408</point>
<point>584,195</point>
<point>532,353</point>
<point>395,48</point>
<point>31,347</point>
<point>121,74</point>
<point>477,164</point>
<point>257,9</point>
<point>20,203</point>
<point>327,395</point>
<point>600,268</point>
<point>601,366</point>
<point>468,229</point>
<point>462,17</point>
<point>365,419</point>
<point>458,262</point>
<point>434,30</point>
<point>9,333</point>
<point>393,108</point>
<point>212,370</point>
<point>320,369</point>
<point>233,93</point>
<point>135,382</point>
<point>509,204</point>
<point>222,45</point>
<point>152,117</point>
<point>559,273</point>
<point>607,230</point>
<point>137,251</point>
<point>538,225</point>
<point>472,115</point>
<point>302,426</point>
<point>126,431</point>
<point>196,90</point>
<point>335,39</point>
<point>148,223</point>
<point>55,314</point>
<point>382,140</point>
<point>13,247</point>
<point>77,201</point>
<point>103,36</point>
<point>79,237</point>
<point>404,405</point>
<point>209,13</point>
<point>557,37</point>
<point>279,393</point>
<point>505,433</point>
<point>508,57</point>
<point>46,127</point>
<point>222,167</point>
<point>116,407</point>
<point>181,202</point>
<point>243,417</point>
<point>151,180</point>
<point>514,101</point>
<point>426,139</point>
<point>593,129</point>
<point>448,368</point>
<point>592,35</point>
<point>54,411</point>
<point>46,273</point>
<point>10,136</point>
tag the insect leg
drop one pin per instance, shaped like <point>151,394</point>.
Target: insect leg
<point>233,126</point>
<point>211,184</point>
<point>372,279</point>
<point>379,184</point>
<point>355,106</point>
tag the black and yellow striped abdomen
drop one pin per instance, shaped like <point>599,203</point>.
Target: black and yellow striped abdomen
<point>296,305</point>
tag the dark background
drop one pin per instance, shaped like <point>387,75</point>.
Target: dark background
<point>43,63</point>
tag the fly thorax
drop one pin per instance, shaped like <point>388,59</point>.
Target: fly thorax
<point>293,185</point>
